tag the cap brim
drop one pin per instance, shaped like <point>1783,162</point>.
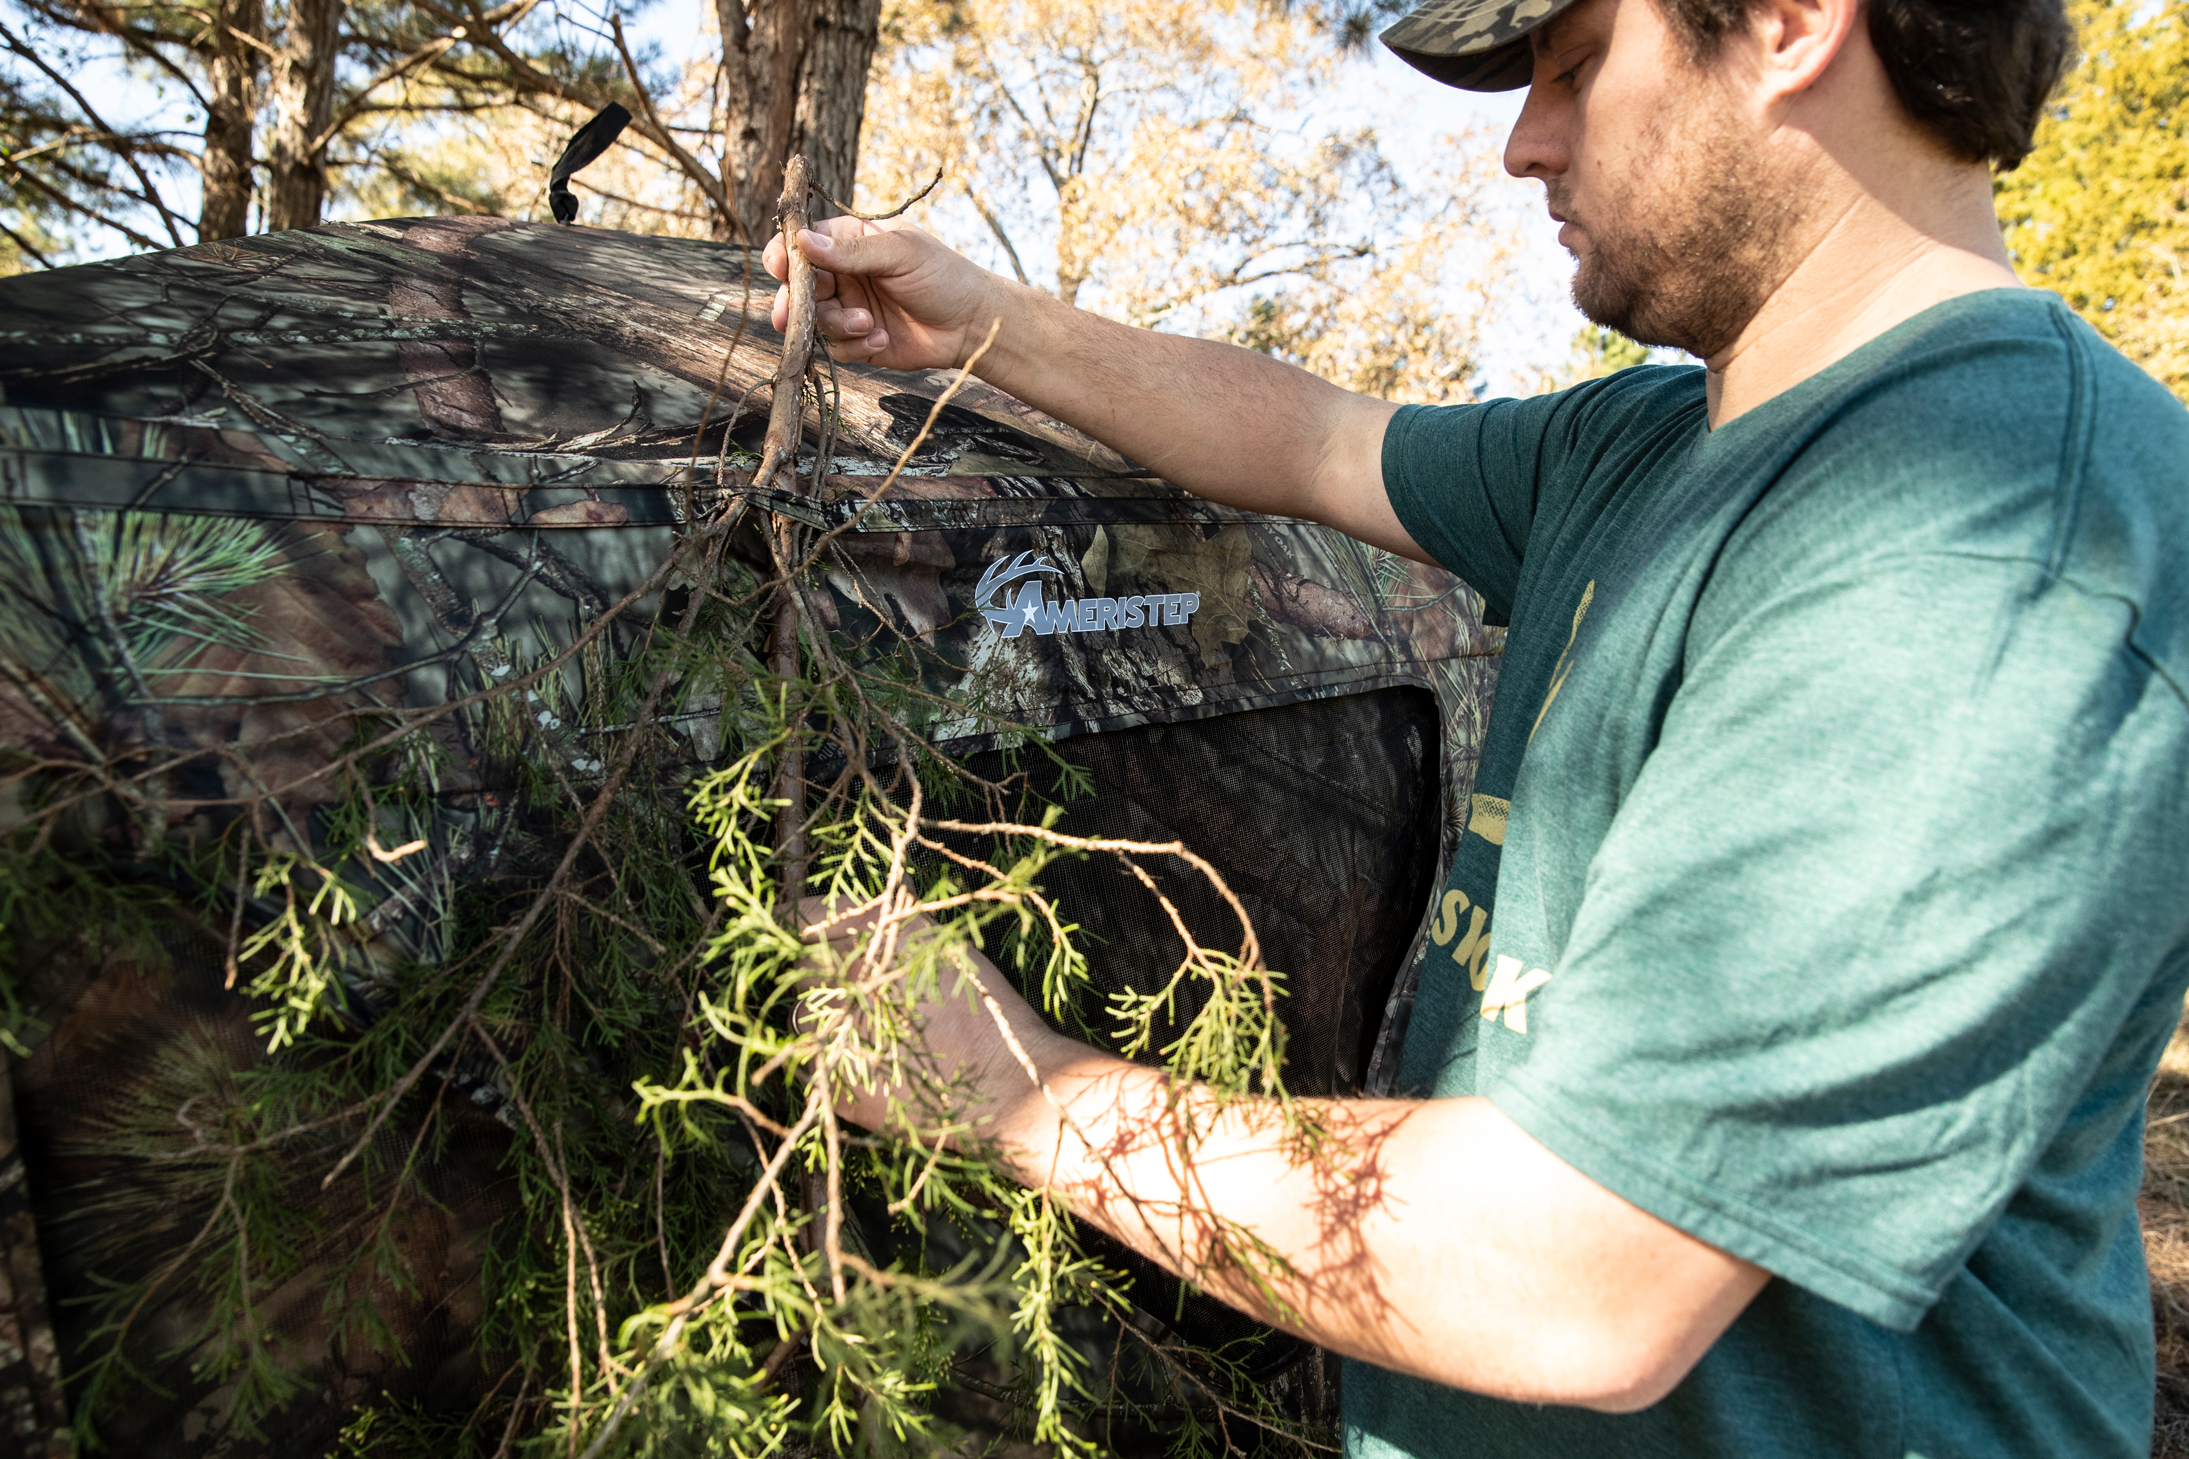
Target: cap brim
<point>1507,68</point>
<point>1476,45</point>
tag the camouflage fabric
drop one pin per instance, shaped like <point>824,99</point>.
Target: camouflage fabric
<point>253,490</point>
<point>405,452</point>
<point>33,1409</point>
<point>1476,45</point>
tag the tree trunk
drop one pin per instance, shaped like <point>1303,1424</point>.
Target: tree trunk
<point>794,80</point>
<point>231,93</point>
<point>303,84</point>
<point>832,93</point>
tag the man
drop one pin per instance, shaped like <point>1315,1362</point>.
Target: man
<point>1835,808</point>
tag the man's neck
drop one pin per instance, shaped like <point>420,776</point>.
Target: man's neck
<point>1870,264</point>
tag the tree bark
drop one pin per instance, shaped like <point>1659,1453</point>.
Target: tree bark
<point>794,78</point>
<point>231,93</point>
<point>832,92</point>
<point>303,86</point>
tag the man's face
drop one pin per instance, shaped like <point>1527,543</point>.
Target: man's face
<point>1677,220</point>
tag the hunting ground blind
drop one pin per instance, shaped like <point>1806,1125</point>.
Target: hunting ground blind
<point>388,711</point>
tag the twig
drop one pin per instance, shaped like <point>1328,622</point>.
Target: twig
<point>715,190</point>
<point>716,1277</point>
<point>27,246</point>
<point>790,371</point>
<point>893,212</point>
<point>784,413</point>
<point>516,1412</point>
<point>934,413</point>
<point>1250,949</point>
<point>151,194</point>
<point>235,917</point>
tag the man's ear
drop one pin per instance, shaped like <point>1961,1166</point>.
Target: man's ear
<point>1792,43</point>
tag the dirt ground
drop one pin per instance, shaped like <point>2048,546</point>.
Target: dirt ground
<point>2166,1242</point>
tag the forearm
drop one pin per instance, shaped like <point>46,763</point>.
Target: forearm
<point>1432,1238</point>
<point>1226,423</point>
<point>1436,1238</point>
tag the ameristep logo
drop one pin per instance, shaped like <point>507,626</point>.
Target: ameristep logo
<point>1027,608</point>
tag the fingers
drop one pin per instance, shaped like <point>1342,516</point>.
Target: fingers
<point>852,244</point>
<point>819,916</point>
<point>776,260</point>
<point>837,921</point>
<point>867,351</point>
<point>842,323</point>
<point>823,918</point>
<point>852,335</point>
<point>824,287</point>
<point>874,252</point>
<point>839,320</point>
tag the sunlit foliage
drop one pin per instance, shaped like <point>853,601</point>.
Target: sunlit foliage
<point>2100,211</point>
<point>1164,165</point>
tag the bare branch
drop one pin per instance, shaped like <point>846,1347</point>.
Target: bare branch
<point>995,226</point>
<point>715,189</point>
<point>63,200</point>
<point>893,212</point>
<point>431,51</point>
<point>151,195</point>
<point>27,246</point>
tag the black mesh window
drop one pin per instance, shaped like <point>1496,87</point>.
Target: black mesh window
<point>1322,817</point>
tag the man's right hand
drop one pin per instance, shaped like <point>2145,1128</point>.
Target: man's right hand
<point>888,294</point>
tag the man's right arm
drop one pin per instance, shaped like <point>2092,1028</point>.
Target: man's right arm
<point>1223,422</point>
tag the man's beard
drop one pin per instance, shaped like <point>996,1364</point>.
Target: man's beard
<point>1686,254</point>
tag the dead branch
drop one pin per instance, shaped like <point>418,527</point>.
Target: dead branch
<point>150,195</point>
<point>790,372</point>
<point>784,415</point>
<point>893,212</point>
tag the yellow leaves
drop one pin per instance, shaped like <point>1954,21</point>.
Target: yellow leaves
<point>1091,140</point>
<point>1161,164</point>
<point>2100,210</point>
<point>1404,321</point>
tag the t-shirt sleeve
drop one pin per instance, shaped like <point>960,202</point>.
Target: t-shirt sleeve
<point>1904,859</point>
<point>1463,480</point>
<point>1469,482</point>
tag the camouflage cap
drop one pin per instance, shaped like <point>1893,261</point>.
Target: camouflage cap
<point>1476,45</point>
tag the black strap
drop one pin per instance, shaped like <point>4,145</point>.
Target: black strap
<point>594,138</point>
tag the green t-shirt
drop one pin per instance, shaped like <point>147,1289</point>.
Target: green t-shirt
<point>1834,812</point>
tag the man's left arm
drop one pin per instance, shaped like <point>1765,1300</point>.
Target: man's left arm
<point>1364,1235</point>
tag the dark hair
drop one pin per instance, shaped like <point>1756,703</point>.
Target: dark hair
<point>1974,73</point>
